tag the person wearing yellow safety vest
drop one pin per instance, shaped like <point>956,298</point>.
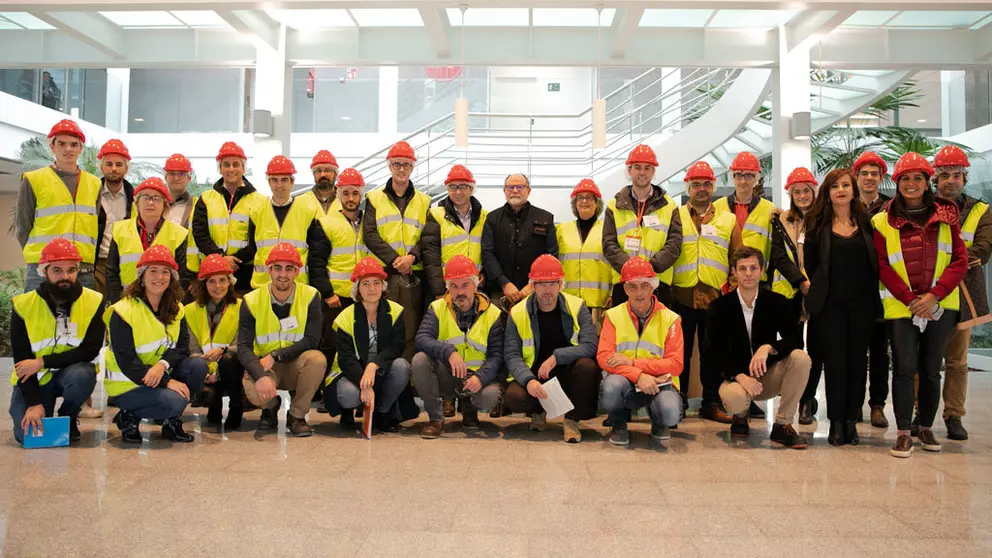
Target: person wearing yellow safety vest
<point>324,167</point>
<point>394,219</point>
<point>220,217</point>
<point>178,172</point>
<point>580,248</point>
<point>640,349</point>
<point>787,270</point>
<point>149,369</point>
<point>453,227</point>
<point>700,275</point>
<point>278,342</point>
<point>460,349</point>
<point>130,238</point>
<point>56,331</point>
<point>115,203</point>
<point>58,201</point>
<point>369,367</point>
<point>550,335</point>
<point>950,177</point>
<point>921,261</point>
<point>285,219</point>
<point>213,325</point>
<point>642,220</point>
<point>754,214</point>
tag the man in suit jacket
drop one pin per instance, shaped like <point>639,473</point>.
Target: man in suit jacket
<point>755,344</point>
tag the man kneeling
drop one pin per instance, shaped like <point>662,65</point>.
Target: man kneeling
<point>460,349</point>
<point>641,349</point>
<point>762,359</point>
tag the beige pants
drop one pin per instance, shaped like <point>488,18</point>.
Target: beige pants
<point>786,377</point>
<point>100,276</point>
<point>956,372</point>
<point>300,377</point>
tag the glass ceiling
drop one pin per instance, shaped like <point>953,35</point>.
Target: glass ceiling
<point>166,19</point>
<point>21,20</point>
<point>919,19</point>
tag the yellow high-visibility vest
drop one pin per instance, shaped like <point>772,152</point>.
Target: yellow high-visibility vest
<point>971,223</point>
<point>705,254</point>
<point>650,343</point>
<point>220,338</point>
<point>151,339</point>
<point>471,346</point>
<point>129,247</point>
<point>269,332</point>
<point>58,215</point>
<point>587,273</point>
<point>228,230</point>
<point>652,236</point>
<point>521,319</point>
<point>346,322</point>
<point>401,232</point>
<point>456,241</point>
<point>757,231</point>
<point>268,233</point>
<point>347,249</point>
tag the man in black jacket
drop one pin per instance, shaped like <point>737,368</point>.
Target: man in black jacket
<point>756,346</point>
<point>512,238</point>
<point>453,227</point>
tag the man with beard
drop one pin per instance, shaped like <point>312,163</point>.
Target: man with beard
<point>56,331</point>
<point>325,172</point>
<point>178,172</point>
<point>116,199</point>
<point>453,227</point>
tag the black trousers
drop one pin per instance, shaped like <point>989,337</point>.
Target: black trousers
<point>328,340</point>
<point>914,351</point>
<point>840,334</point>
<point>878,365</point>
<point>579,381</point>
<point>693,321</point>
<point>231,371</point>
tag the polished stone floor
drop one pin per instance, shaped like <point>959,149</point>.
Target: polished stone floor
<point>502,492</point>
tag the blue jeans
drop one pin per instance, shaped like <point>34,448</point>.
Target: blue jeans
<point>74,384</point>
<point>32,280</point>
<point>388,388</point>
<point>617,394</point>
<point>161,402</point>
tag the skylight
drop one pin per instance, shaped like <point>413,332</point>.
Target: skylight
<point>312,19</point>
<point>675,18</point>
<point>24,20</point>
<point>572,17</point>
<point>489,17</point>
<point>400,17</point>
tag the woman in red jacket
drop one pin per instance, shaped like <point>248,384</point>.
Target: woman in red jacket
<point>921,260</point>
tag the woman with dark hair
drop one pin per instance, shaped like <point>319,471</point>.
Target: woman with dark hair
<point>787,267</point>
<point>213,324</point>
<point>842,301</point>
<point>149,369</point>
<point>921,260</point>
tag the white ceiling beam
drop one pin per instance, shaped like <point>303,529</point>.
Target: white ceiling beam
<point>624,30</point>
<point>437,28</point>
<point>94,5</point>
<point>93,30</point>
<point>253,22</point>
<point>811,26</point>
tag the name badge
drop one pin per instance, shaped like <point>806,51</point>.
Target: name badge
<point>64,329</point>
<point>709,230</point>
<point>651,220</point>
<point>632,244</point>
<point>802,238</point>
<point>289,323</point>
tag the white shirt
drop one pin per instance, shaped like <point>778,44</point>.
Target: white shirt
<point>748,311</point>
<point>466,219</point>
<point>115,206</point>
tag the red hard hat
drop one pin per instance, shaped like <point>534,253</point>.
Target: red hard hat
<point>401,149</point>
<point>700,170</point>
<point>284,252</point>
<point>870,158</point>
<point>114,147</point>
<point>324,157</point>
<point>178,163</point>
<point>459,173</point>
<point>642,154</point>
<point>745,161</point>
<point>951,156</point>
<point>800,175</point>
<point>158,255</point>
<point>587,185</point>
<point>546,268</point>
<point>368,267</point>
<point>280,166</point>
<point>231,149</point>
<point>911,162</point>
<point>214,264</point>
<point>459,267</point>
<point>68,127</point>
<point>637,268</point>
<point>154,183</point>
<point>350,178</point>
<point>60,250</point>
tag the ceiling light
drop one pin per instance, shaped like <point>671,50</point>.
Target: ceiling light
<point>139,119</point>
<point>921,120</point>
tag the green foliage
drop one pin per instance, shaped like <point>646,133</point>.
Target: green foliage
<point>34,154</point>
<point>11,285</point>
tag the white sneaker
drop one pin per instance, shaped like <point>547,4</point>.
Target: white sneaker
<point>89,412</point>
<point>538,422</point>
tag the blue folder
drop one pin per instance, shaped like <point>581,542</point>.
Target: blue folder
<point>56,434</point>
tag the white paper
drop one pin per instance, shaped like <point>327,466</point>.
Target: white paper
<point>651,220</point>
<point>556,403</point>
<point>709,230</point>
<point>631,244</point>
<point>288,323</point>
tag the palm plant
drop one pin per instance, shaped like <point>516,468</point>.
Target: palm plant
<point>34,154</point>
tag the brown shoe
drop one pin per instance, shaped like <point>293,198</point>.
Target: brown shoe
<point>878,419</point>
<point>298,426</point>
<point>432,430</point>
<point>449,408</point>
<point>928,441</point>
<point>903,447</point>
<point>714,412</point>
<point>787,436</point>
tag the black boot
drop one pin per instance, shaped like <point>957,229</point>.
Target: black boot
<point>234,415</point>
<point>806,411</point>
<point>216,411</point>
<point>173,430</point>
<point>74,435</point>
<point>384,423</point>
<point>851,433</point>
<point>128,425</point>
<point>348,420</point>
<point>836,435</point>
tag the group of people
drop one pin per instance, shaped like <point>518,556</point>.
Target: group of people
<point>367,305</point>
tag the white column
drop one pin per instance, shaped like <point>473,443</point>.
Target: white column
<point>671,105</point>
<point>118,94</point>
<point>389,81</point>
<point>790,94</point>
<point>273,92</point>
<point>952,104</point>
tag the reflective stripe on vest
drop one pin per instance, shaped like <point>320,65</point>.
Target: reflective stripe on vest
<point>346,323</point>
<point>223,336</point>
<point>650,343</point>
<point>229,231</point>
<point>269,334</point>
<point>45,334</point>
<point>652,237</point>
<point>151,339</point>
<point>347,249</point>
<point>401,232</point>
<point>970,224</point>
<point>521,319</point>
<point>130,248</point>
<point>780,284</point>
<point>757,231</point>
<point>58,215</point>
<point>268,233</point>
<point>587,273</point>
<point>471,346</point>
<point>704,258</point>
<point>455,241</point>
<point>893,308</point>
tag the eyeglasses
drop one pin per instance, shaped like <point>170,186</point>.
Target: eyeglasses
<point>515,187</point>
<point>401,166</point>
<point>744,175</point>
<point>459,187</point>
<point>152,199</point>
<point>591,199</point>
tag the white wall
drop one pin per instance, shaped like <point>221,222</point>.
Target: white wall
<point>524,90</point>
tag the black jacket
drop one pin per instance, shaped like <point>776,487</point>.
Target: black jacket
<point>512,241</point>
<point>430,243</point>
<point>879,204</point>
<point>127,356</point>
<point>21,344</point>
<point>101,220</point>
<point>817,260</point>
<point>370,229</point>
<point>391,342</point>
<point>201,231</point>
<point>773,324</point>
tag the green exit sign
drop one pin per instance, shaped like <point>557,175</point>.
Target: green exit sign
<point>554,87</point>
